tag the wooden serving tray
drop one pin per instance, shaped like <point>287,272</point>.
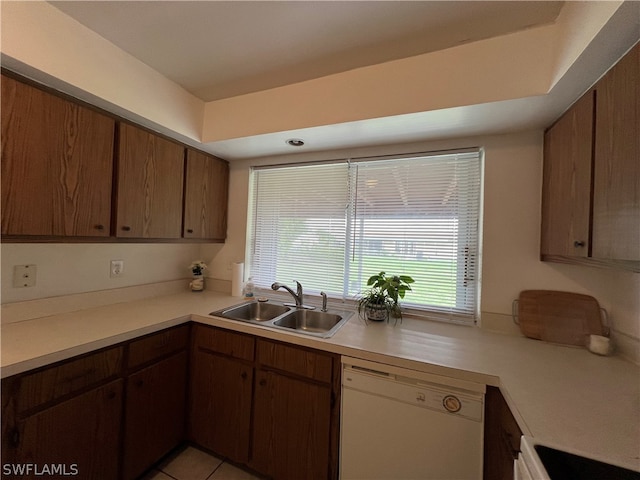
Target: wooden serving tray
<point>559,317</point>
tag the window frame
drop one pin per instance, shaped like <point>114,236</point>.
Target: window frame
<point>451,315</point>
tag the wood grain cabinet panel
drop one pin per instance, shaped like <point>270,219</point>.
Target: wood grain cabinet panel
<point>591,180</point>
<point>220,404</point>
<point>157,345</point>
<point>616,198</point>
<point>224,342</point>
<point>501,437</point>
<point>80,435</point>
<point>566,199</point>
<point>150,182</point>
<point>36,389</point>
<point>205,198</point>
<point>291,427</point>
<point>154,413</point>
<point>57,160</point>
<point>298,361</point>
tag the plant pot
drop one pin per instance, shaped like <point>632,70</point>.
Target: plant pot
<point>197,283</point>
<point>376,313</point>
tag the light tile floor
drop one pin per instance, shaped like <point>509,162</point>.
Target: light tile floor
<point>194,464</point>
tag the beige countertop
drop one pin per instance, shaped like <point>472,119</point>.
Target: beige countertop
<point>559,394</point>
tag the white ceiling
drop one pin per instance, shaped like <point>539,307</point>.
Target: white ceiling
<point>219,49</point>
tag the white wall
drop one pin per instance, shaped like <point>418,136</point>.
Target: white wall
<point>511,233</point>
<point>64,269</point>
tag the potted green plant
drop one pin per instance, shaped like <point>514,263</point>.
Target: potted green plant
<point>381,299</point>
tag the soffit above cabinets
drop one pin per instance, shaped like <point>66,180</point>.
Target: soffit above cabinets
<point>368,73</point>
<point>220,49</point>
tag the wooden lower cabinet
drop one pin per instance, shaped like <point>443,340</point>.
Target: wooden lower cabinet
<point>291,428</point>
<point>97,416</point>
<point>80,436</point>
<point>220,412</point>
<point>269,405</point>
<point>154,413</point>
<point>501,437</point>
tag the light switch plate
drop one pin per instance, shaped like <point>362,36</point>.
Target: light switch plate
<point>24,276</point>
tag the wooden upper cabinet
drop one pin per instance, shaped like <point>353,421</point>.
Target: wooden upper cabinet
<point>591,179</point>
<point>205,197</point>
<point>616,198</point>
<point>57,159</point>
<point>566,191</point>
<point>150,179</point>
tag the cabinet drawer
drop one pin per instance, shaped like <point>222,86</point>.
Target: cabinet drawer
<point>71,376</point>
<point>231,344</point>
<point>302,362</point>
<point>158,345</point>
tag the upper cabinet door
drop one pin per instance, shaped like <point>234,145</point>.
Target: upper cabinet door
<point>150,178</point>
<point>57,159</point>
<point>616,201</point>
<point>566,191</point>
<point>206,194</point>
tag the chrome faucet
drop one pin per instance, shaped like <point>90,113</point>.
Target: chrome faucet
<point>324,301</point>
<point>298,296</point>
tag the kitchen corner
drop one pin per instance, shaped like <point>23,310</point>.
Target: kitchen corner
<point>558,394</point>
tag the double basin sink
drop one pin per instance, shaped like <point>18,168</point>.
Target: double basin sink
<point>276,315</point>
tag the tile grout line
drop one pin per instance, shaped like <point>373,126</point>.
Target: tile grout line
<point>214,471</point>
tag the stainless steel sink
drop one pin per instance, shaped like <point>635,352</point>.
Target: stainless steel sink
<point>275,315</point>
<point>253,311</point>
<point>309,321</point>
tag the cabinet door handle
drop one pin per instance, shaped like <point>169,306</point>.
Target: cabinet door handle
<point>99,227</point>
<point>126,228</point>
<point>579,243</point>
<point>263,382</point>
<point>190,230</point>
<point>243,375</point>
<point>111,395</point>
<point>139,383</point>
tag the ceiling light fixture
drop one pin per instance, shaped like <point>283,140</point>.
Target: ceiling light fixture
<point>295,142</point>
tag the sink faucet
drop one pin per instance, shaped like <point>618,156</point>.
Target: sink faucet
<point>297,296</point>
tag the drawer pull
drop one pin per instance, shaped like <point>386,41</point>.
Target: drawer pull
<point>126,228</point>
<point>79,376</point>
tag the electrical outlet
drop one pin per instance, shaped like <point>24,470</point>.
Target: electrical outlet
<point>24,276</point>
<point>117,268</point>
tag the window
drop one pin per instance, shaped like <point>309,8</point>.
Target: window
<point>333,225</point>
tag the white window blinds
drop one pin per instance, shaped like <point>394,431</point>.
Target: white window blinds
<point>332,226</point>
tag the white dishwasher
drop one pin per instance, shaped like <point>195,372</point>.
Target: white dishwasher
<point>400,424</point>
